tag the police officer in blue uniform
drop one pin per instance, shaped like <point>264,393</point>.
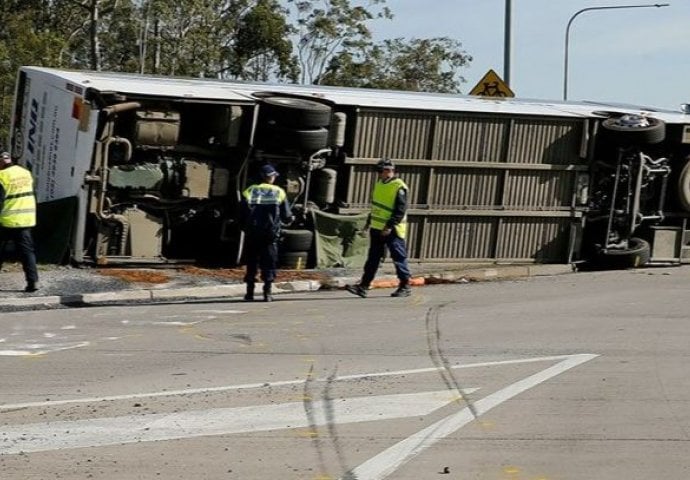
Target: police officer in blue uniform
<point>265,209</point>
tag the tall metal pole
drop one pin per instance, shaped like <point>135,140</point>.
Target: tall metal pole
<point>567,35</point>
<point>507,42</point>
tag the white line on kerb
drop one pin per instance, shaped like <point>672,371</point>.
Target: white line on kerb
<point>388,461</point>
<point>247,386</point>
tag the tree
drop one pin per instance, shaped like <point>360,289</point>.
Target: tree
<point>262,49</point>
<point>324,32</point>
<point>24,40</point>
<point>120,39</point>
<point>425,65</point>
<point>215,38</point>
<point>92,25</point>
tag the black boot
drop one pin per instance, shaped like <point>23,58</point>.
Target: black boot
<point>360,290</point>
<point>268,294</point>
<point>403,290</point>
<point>249,296</point>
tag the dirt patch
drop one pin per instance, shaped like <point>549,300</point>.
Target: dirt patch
<point>225,274</point>
<point>238,274</point>
<point>136,276</point>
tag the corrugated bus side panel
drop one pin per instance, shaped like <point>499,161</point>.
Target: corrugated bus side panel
<point>362,179</point>
<point>456,237</point>
<point>554,142</point>
<point>539,189</point>
<point>464,187</point>
<point>395,135</point>
<point>527,141</point>
<point>543,240</point>
<point>470,139</point>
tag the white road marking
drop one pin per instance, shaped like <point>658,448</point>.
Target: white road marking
<point>388,461</point>
<point>180,324</point>
<point>220,311</point>
<point>41,349</point>
<point>247,386</point>
<point>49,436</point>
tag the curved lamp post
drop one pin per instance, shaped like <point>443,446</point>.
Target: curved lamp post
<point>567,34</point>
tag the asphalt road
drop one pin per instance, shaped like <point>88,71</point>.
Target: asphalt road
<point>572,377</point>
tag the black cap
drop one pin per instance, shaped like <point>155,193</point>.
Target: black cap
<point>385,164</point>
<point>269,170</point>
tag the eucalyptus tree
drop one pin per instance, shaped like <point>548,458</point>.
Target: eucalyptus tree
<point>424,65</point>
<point>262,49</point>
<point>215,38</point>
<point>26,38</point>
<point>325,28</point>
<point>88,23</point>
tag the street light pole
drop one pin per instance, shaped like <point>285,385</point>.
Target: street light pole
<point>567,34</point>
<point>507,42</point>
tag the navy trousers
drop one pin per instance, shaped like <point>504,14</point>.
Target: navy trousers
<point>24,244</point>
<point>377,251</point>
<point>261,252</point>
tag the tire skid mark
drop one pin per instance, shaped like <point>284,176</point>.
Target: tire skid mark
<point>331,423</point>
<point>440,361</point>
<point>313,428</point>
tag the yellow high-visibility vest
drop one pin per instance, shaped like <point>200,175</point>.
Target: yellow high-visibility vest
<point>19,207</point>
<point>264,194</point>
<point>382,203</point>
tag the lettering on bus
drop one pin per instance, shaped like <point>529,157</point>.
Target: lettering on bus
<point>52,160</point>
<point>33,127</point>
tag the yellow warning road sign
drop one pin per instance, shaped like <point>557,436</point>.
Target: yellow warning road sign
<point>491,85</point>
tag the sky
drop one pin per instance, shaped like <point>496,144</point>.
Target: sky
<point>637,56</point>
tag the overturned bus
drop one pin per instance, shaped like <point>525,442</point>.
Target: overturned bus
<point>143,169</point>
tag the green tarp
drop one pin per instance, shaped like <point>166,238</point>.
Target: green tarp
<point>340,240</point>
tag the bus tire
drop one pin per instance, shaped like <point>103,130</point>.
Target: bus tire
<point>684,187</point>
<point>297,240</point>
<point>636,255</point>
<point>294,260</point>
<point>276,138</point>
<point>625,134</point>
<point>298,113</point>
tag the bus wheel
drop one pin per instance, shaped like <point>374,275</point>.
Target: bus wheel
<point>273,137</point>
<point>297,240</point>
<point>636,255</point>
<point>294,260</point>
<point>297,113</point>
<point>684,187</point>
<point>634,130</point>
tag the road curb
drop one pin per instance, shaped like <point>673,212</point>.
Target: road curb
<point>458,275</point>
<point>161,295</point>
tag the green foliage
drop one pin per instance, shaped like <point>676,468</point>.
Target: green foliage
<point>24,40</point>
<point>425,65</point>
<point>327,28</point>
<point>262,49</point>
<point>312,41</point>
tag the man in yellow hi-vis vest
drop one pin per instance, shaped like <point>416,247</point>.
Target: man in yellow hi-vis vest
<point>18,216</point>
<point>387,228</point>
